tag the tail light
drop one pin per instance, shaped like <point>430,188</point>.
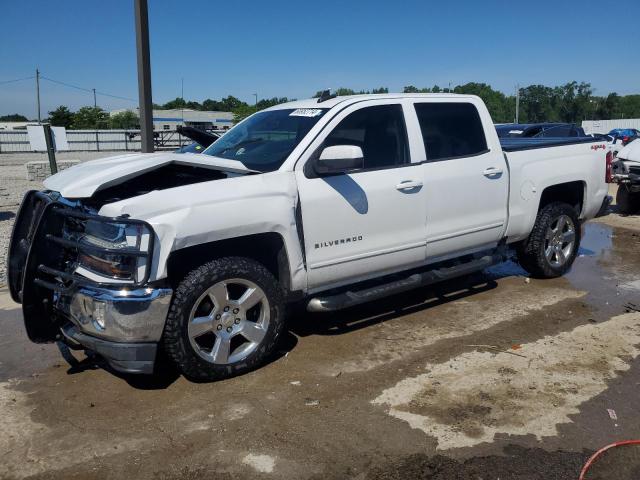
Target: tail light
<point>607,173</point>
<point>625,140</point>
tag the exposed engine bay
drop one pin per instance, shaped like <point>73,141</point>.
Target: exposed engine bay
<point>163,178</point>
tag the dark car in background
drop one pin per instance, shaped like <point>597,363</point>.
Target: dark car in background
<point>539,130</point>
<point>201,139</point>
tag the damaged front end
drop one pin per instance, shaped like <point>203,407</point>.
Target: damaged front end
<point>83,278</point>
<point>626,172</point>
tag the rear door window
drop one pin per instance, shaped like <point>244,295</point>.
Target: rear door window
<point>450,130</point>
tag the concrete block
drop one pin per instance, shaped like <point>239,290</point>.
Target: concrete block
<point>37,171</point>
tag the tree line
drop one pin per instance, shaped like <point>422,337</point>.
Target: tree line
<point>572,102</point>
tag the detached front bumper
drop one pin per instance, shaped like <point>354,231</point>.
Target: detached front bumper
<point>123,326</point>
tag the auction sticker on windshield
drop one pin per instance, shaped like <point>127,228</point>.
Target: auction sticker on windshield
<point>306,112</point>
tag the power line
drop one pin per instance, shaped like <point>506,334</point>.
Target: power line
<point>88,90</point>
<point>17,80</point>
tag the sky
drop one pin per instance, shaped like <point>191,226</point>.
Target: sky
<point>293,48</point>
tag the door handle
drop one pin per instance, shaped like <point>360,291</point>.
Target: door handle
<point>409,185</point>
<point>492,172</point>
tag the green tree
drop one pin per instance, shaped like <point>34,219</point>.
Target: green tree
<point>270,102</point>
<point>610,106</point>
<point>242,112</point>
<point>175,104</point>
<point>124,120</point>
<point>14,117</point>
<point>211,105</point>
<point>538,103</point>
<point>495,101</point>
<point>90,118</point>
<point>630,106</point>
<point>231,104</point>
<point>61,117</point>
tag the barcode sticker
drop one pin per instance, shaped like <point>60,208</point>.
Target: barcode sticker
<point>306,112</point>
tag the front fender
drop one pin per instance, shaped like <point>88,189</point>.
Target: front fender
<point>206,212</point>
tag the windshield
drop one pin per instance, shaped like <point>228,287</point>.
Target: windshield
<point>265,140</point>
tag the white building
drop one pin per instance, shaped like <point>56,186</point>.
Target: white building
<point>15,125</point>
<point>170,119</point>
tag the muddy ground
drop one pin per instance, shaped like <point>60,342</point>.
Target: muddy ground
<point>495,376</point>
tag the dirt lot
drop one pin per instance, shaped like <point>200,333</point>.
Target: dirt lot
<point>492,377</point>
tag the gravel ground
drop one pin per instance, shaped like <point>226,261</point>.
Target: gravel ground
<point>14,184</point>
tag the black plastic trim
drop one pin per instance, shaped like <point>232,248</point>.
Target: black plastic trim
<point>123,357</point>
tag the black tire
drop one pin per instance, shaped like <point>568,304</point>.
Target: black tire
<point>176,342</point>
<point>627,202</point>
<point>531,252</point>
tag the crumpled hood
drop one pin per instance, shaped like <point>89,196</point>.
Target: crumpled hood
<point>84,179</point>
<point>630,153</point>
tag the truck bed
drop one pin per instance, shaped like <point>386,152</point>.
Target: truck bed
<point>517,144</point>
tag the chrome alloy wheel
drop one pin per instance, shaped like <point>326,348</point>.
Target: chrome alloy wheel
<point>229,321</point>
<point>560,241</point>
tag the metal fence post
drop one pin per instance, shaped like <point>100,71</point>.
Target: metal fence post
<point>126,145</point>
<point>51,151</point>
<point>97,142</point>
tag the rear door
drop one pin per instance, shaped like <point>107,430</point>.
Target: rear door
<point>370,221</point>
<point>466,177</point>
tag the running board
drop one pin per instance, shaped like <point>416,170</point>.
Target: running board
<point>330,303</point>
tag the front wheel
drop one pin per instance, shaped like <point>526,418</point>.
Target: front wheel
<point>225,319</point>
<point>553,243</point>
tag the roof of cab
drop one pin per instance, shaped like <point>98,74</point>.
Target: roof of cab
<point>332,102</point>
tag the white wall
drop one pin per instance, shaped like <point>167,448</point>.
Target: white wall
<point>605,126</point>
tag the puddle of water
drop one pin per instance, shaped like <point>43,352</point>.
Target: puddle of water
<point>596,239</point>
<point>608,268</point>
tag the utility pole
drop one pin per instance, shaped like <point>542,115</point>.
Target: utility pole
<point>256,95</point>
<point>38,93</point>
<point>517,103</point>
<point>95,103</point>
<point>144,75</point>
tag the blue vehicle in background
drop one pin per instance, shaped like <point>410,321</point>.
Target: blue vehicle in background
<point>624,135</point>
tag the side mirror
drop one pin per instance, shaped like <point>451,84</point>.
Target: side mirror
<point>339,159</point>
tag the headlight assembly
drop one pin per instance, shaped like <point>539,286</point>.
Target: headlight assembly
<point>116,252</point>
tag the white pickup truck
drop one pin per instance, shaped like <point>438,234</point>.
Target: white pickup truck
<point>333,201</point>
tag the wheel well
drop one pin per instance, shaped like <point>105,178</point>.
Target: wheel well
<point>570,192</point>
<point>266,248</point>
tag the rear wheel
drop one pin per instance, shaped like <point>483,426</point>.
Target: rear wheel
<point>628,202</point>
<point>553,243</point>
<point>225,319</point>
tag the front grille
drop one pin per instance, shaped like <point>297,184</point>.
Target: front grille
<point>635,170</point>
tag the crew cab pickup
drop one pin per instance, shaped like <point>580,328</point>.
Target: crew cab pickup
<point>332,201</point>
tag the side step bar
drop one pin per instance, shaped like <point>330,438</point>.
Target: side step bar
<point>347,299</point>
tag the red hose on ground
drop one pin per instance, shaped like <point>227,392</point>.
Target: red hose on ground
<point>595,456</point>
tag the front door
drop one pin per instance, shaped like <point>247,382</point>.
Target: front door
<point>366,222</point>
